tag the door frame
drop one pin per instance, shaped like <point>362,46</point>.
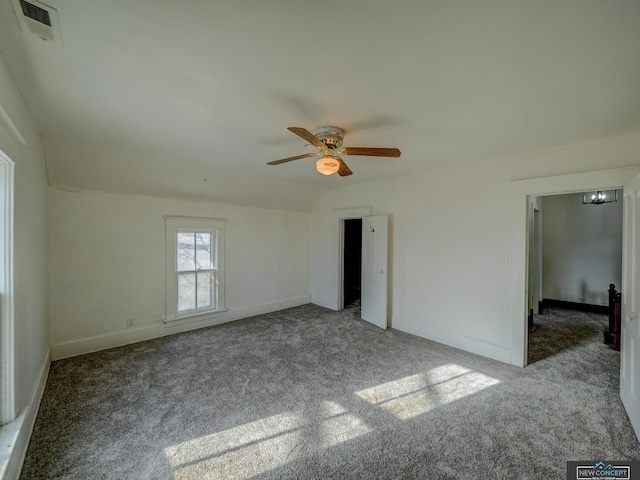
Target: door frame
<point>340,216</point>
<point>630,302</point>
<point>538,255</point>
<point>535,255</point>
<point>521,191</point>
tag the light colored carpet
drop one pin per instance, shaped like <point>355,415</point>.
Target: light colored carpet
<point>308,393</point>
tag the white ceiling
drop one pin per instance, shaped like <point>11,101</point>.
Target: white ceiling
<point>154,96</point>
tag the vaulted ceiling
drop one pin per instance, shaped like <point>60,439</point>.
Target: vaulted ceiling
<point>192,98</point>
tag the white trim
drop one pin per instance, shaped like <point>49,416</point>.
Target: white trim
<point>350,213</point>
<point>15,436</point>
<point>134,335</point>
<point>193,222</point>
<point>216,227</point>
<point>519,283</point>
<point>7,309</point>
<point>340,215</point>
<point>613,178</point>
<point>268,307</point>
<point>575,182</point>
<point>471,345</point>
<point>11,128</point>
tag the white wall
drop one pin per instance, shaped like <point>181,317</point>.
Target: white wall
<point>582,249</point>
<point>107,263</point>
<point>450,229</point>
<point>30,239</point>
<point>20,141</point>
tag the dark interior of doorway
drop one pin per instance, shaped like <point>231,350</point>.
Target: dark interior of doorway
<point>352,261</point>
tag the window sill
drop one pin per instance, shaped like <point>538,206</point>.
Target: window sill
<point>195,317</point>
<point>9,434</point>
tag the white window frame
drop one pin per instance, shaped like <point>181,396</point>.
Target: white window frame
<point>173,226</point>
<point>7,321</point>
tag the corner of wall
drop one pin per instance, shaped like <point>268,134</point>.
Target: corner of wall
<point>324,302</point>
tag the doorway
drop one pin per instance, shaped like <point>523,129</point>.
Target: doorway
<point>522,191</point>
<point>579,249</point>
<point>373,261</point>
<point>352,262</point>
<point>616,178</point>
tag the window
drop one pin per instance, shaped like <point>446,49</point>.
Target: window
<point>7,352</point>
<point>195,267</point>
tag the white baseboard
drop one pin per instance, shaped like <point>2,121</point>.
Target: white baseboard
<point>134,335</point>
<point>324,302</point>
<point>467,344</point>
<point>15,436</point>
<point>238,313</point>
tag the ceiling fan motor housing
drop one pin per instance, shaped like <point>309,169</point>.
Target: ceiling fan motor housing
<point>331,136</point>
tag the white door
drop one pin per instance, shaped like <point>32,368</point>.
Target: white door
<point>374,270</point>
<point>630,332</point>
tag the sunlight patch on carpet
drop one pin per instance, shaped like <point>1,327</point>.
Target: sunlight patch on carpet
<point>246,462</point>
<point>417,394</point>
<point>257,447</point>
<point>342,428</point>
<point>253,448</point>
<point>339,425</point>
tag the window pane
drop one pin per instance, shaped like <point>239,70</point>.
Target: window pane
<point>186,292</point>
<point>185,251</point>
<point>203,251</point>
<point>205,294</point>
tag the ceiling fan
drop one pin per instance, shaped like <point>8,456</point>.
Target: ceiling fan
<point>329,143</point>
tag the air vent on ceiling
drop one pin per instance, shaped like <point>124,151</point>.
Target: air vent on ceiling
<point>36,13</point>
<point>37,18</point>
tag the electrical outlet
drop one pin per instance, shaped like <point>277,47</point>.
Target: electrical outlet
<point>157,318</point>
<point>582,299</point>
<point>603,300</point>
<point>130,322</point>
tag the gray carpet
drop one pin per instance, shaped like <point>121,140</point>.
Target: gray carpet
<point>308,393</point>
<point>558,329</point>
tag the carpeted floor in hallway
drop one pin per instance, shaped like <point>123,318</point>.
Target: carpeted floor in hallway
<point>558,329</point>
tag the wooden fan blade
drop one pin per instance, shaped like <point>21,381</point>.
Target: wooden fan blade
<point>306,135</point>
<point>371,152</point>
<point>291,159</point>
<point>344,170</point>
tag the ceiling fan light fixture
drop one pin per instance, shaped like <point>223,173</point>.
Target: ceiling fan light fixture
<point>328,165</point>
<point>328,140</point>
